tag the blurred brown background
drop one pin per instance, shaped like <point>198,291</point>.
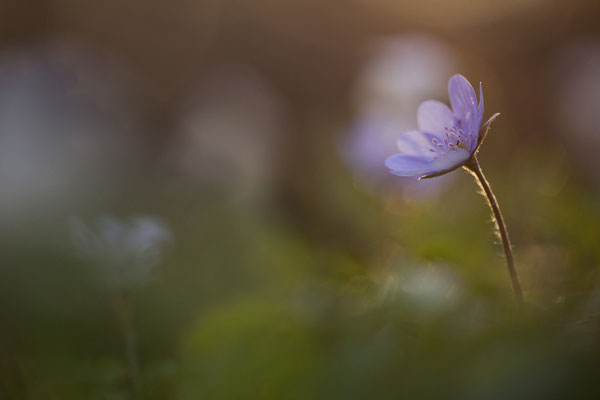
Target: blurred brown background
<point>309,50</point>
<point>311,54</point>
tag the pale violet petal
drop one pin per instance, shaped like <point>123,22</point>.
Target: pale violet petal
<point>462,97</point>
<point>416,143</point>
<point>434,117</point>
<point>480,102</point>
<point>406,165</point>
<point>450,160</point>
<point>477,123</point>
<point>464,104</point>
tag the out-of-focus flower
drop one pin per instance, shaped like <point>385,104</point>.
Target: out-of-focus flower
<point>371,138</point>
<point>400,73</point>
<point>67,131</point>
<point>576,80</point>
<point>124,253</point>
<point>446,138</point>
<point>231,134</point>
<point>430,288</point>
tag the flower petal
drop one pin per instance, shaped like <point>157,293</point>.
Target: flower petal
<point>462,96</point>
<point>407,165</point>
<point>449,161</point>
<point>416,143</point>
<point>480,109</point>
<point>434,117</point>
<point>464,104</point>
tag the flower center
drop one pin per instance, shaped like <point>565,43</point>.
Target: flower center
<point>454,139</point>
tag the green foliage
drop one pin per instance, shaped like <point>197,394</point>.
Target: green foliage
<point>351,296</point>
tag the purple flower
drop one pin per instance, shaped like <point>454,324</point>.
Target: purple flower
<point>446,139</point>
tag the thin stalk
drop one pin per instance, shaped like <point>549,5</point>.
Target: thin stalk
<point>124,312</point>
<point>475,169</point>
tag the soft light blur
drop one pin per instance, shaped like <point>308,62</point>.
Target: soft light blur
<point>194,202</point>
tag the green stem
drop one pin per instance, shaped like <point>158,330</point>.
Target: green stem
<point>124,312</point>
<point>475,169</point>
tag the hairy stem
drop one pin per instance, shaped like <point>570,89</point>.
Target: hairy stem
<point>124,312</point>
<point>475,169</point>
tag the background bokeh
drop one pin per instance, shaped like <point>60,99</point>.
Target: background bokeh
<point>231,154</point>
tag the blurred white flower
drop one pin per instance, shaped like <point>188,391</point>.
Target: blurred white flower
<point>400,73</point>
<point>65,130</point>
<point>429,288</point>
<point>576,79</point>
<point>403,71</point>
<point>124,253</point>
<point>231,134</point>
